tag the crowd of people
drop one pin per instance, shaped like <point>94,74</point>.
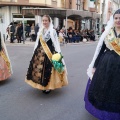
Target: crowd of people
<point>15,32</point>
<point>75,36</point>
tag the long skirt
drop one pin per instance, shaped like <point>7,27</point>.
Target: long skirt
<point>102,96</point>
<point>41,74</point>
<point>4,70</point>
<point>100,114</point>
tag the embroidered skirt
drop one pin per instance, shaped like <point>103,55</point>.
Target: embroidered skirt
<point>4,70</point>
<point>41,74</point>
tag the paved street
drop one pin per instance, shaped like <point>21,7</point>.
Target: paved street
<point>19,101</point>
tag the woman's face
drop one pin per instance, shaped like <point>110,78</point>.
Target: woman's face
<point>117,20</point>
<point>46,22</point>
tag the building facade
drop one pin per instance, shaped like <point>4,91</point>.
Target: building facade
<point>80,22</point>
<point>116,5</point>
<point>77,12</point>
<point>110,7</point>
<point>11,10</point>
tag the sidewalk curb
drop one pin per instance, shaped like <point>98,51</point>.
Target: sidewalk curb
<point>20,44</point>
<point>27,43</point>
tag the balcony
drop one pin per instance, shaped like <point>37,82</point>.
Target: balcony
<point>92,10</point>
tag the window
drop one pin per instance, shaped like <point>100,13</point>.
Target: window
<point>54,3</point>
<point>78,4</point>
<point>70,4</point>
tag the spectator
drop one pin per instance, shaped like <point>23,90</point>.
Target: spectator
<point>12,31</point>
<point>19,33</point>
<point>27,29</point>
<point>32,33</point>
<point>36,29</point>
<point>92,35</point>
<point>61,36</point>
<point>8,32</point>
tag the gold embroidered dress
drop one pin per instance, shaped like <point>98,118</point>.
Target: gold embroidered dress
<point>41,73</point>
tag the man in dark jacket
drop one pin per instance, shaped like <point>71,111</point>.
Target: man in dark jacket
<point>12,31</point>
<point>36,29</point>
<point>19,33</point>
<point>27,29</point>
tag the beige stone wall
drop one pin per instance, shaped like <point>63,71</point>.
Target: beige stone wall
<point>61,3</point>
<point>37,1</point>
<point>74,4</point>
<point>8,1</point>
<point>86,5</point>
<point>58,3</point>
<point>48,2</point>
<point>99,6</point>
<point>5,0</point>
<point>67,4</point>
<point>99,10</point>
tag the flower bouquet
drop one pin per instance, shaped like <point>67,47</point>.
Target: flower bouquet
<point>57,62</point>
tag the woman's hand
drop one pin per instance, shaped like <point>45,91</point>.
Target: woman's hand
<point>93,70</point>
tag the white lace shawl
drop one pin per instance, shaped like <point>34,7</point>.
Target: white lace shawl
<point>53,35</point>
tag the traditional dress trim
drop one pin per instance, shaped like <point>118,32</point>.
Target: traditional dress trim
<point>56,81</point>
<point>45,47</point>
<point>49,55</point>
<point>114,42</point>
<point>2,54</point>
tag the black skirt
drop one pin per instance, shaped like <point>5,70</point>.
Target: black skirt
<point>40,67</point>
<point>104,91</point>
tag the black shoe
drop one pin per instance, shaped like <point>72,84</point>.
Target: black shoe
<point>46,91</point>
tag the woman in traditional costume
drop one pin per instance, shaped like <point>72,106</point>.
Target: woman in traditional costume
<point>102,97</point>
<point>5,65</point>
<point>47,70</point>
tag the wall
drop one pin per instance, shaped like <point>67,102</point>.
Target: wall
<point>7,16</point>
<point>105,12</point>
<point>115,6</point>
<point>86,5</point>
<point>67,4</point>
<point>38,1</point>
<point>61,3</point>
<point>74,4</point>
